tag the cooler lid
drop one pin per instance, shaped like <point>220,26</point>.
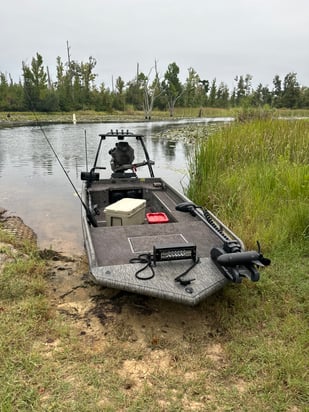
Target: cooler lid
<point>126,205</point>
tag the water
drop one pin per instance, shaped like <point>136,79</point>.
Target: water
<point>34,187</point>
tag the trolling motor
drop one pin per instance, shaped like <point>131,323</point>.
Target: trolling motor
<point>232,262</point>
<point>235,264</point>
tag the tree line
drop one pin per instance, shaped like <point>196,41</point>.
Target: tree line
<point>75,89</point>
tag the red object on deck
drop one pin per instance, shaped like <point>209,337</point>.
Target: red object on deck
<point>158,217</point>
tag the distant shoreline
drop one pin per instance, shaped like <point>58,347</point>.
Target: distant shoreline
<point>21,119</point>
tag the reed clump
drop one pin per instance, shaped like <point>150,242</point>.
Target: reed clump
<point>255,176</point>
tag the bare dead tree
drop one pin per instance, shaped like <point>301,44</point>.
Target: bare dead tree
<point>151,91</point>
<point>50,86</point>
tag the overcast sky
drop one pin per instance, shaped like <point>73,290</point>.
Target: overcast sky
<point>218,38</point>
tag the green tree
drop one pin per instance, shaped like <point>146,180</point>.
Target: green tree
<point>75,89</point>
<point>203,90</point>
<point>261,96</point>
<point>222,98</point>
<point>11,94</point>
<point>277,91</point>
<point>35,83</point>
<point>135,91</point>
<point>87,79</point>
<point>304,98</point>
<point>102,99</point>
<point>243,89</point>
<point>213,93</point>
<point>291,91</point>
<point>4,92</point>
<point>119,85</point>
<point>119,95</point>
<point>172,87</point>
<point>191,89</point>
<point>75,84</point>
<point>240,91</point>
<point>63,87</point>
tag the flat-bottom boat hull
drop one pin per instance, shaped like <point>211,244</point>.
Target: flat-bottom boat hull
<point>110,248</point>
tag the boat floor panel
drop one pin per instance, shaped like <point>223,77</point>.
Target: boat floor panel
<point>144,244</point>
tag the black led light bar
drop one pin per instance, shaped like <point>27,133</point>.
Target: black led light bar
<point>174,252</point>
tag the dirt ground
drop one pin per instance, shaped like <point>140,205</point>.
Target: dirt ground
<point>153,326</point>
<point>97,311</point>
<point>102,315</point>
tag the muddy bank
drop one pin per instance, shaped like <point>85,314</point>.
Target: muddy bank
<point>101,314</point>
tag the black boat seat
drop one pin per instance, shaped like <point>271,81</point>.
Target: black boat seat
<point>122,155</point>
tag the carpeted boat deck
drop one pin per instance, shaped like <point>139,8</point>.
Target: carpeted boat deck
<point>118,244</point>
<point>115,246</point>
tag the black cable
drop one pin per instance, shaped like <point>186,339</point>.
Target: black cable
<point>188,281</point>
<point>144,258</point>
<point>148,259</point>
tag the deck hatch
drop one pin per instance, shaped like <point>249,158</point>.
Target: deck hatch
<point>144,244</point>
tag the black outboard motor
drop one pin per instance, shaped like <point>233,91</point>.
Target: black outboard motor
<point>122,156</point>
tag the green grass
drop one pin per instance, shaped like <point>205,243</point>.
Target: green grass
<point>243,349</point>
<point>255,176</point>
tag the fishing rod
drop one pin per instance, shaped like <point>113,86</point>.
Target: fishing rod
<point>86,150</point>
<point>89,214</point>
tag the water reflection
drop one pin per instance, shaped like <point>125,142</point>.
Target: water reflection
<point>33,185</point>
<point>169,149</point>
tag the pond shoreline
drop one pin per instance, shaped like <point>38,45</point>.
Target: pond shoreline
<point>86,120</point>
<point>33,119</point>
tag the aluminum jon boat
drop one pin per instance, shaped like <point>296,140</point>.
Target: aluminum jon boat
<point>143,236</point>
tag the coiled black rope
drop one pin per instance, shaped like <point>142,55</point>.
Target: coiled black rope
<point>144,258</point>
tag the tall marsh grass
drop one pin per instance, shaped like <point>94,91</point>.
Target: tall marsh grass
<point>255,176</point>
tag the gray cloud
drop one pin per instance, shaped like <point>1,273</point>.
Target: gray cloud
<point>219,39</point>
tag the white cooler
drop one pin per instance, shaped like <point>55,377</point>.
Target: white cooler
<point>127,211</point>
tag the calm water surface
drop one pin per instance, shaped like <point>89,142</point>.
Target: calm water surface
<point>34,187</point>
